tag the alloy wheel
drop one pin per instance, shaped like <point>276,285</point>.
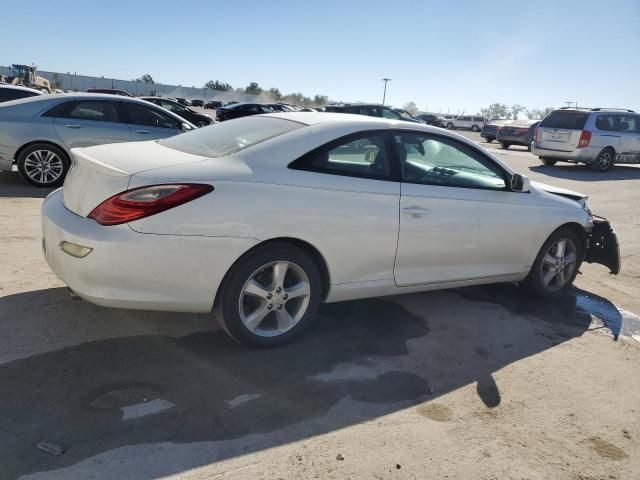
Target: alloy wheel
<point>274,299</point>
<point>43,166</point>
<point>559,264</point>
<point>604,162</point>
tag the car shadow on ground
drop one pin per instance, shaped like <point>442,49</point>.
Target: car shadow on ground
<point>584,172</point>
<point>11,185</point>
<point>382,354</point>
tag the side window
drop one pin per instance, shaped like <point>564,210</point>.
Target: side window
<point>627,123</point>
<point>364,157</point>
<point>432,160</point>
<point>96,110</point>
<point>172,107</point>
<point>605,122</point>
<point>388,113</point>
<point>150,117</point>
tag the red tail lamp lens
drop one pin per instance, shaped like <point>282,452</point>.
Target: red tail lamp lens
<point>142,202</point>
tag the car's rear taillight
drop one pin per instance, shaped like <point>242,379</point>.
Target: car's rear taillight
<point>585,138</point>
<point>145,201</point>
<point>535,136</point>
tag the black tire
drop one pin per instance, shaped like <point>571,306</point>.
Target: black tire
<point>534,281</point>
<point>548,161</point>
<point>474,128</point>
<point>227,307</point>
<point>505,145</point>
<point>27,173</point>
<point>450,126</point>
<point>604,161</point>
<point>490,139</point>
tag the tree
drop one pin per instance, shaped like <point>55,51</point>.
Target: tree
<point>537,114</point>
<point>275,94</point>
<point>411,107</point>
<point>253,89</point>
<point>320,100</point>
<point>496,110</point>
<point>516,109</point>
<point>217,85</point>
<point>146,78</point>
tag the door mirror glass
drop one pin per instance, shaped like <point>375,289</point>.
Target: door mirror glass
<point>520,183</point>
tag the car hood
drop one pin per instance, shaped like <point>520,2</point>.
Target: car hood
<point>563,192</point>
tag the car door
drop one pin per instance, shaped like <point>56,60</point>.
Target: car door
<point>356,184</point>
<point>458,219</point>
<point>148,123</point>
<point>629,128</point>
<point>83,123</point>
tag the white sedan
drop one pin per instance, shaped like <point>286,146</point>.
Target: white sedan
<point>262,218</point>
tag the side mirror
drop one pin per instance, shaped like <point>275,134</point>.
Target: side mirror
<point>185,127</point>
<point>520,183</point>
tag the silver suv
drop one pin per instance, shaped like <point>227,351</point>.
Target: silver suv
<point>598,137</point>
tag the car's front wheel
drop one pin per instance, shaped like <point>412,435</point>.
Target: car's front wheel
<point>43,165</point>
<point>475,128</point>
<point>450,126</point>
<point>490,139</point>
<point>269,296</point>
<point>556,266</point>
<point>505,144</point>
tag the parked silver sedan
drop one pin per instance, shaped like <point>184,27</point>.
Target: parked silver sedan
<point>38,133</point>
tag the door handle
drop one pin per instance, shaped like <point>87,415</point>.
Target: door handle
<point>73,125</point>
<point>415,211</point>
<point>144,132</point>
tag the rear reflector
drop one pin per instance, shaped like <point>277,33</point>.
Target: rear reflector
<point>74,250</point>
<point>585,138</point>
<point>145,201</point>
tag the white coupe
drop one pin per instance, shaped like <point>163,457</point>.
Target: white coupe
<point>262,218</point>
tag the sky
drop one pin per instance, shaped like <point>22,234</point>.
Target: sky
<point>446,56</point>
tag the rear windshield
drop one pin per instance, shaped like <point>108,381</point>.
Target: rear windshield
<point>565,119</point>
<point>231,136</point>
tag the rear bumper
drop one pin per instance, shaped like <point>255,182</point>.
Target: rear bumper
<point>602,246</point>
<point>578,155</point>
<point>127,269</point>
<point>515,140</point>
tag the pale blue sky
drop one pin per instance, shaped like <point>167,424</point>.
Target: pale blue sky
<point>443,55</point>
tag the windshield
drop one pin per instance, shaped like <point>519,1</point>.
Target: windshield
<point>231,136</point>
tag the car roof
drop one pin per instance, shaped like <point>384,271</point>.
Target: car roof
<point>8,86</point>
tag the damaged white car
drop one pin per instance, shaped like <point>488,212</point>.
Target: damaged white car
<point>262,218</point>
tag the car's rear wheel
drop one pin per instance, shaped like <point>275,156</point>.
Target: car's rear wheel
<point>548,161</point>
<point>556,266</point>
<point>604,161</point>
<point>269,296</point>
<point>43,165</point>
<point>505,144</point>
<point>490,139</point>
<point>450,126</point>
<point>475,128</point>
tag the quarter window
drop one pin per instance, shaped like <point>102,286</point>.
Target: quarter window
<point>360,157</point>
<point>439,161</point>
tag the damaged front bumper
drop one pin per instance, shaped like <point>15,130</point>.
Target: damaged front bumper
<point>602,245</point>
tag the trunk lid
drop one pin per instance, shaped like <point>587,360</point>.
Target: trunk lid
<point>561,130</point>
<point>99,172</point>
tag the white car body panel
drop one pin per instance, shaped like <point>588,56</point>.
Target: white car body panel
<point>177,259</point>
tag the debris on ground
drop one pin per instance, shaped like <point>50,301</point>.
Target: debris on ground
<point>339,457</point>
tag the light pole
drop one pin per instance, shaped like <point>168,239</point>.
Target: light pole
<point>384,95</point>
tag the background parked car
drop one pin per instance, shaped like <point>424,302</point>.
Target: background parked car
<point>198,119</point>
<point>517,132</point>
<point>467,122</point>
<point>109,91</point>
<point>213,104</point>
<point>448,119</point>
<point>238,110</point>
<point>371,110</point>
<point>12,92</point>
<point>197,103</point>
<point>490,129</point>
<point>38,133</point>
<point>432,119</point>
<point>183,101</point>
<point>598,137</point>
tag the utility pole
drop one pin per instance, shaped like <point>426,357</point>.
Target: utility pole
<point>384,95</point>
